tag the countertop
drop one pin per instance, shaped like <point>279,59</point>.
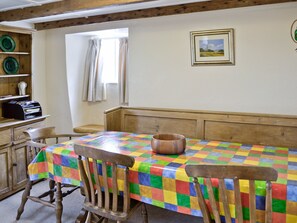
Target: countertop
<point>9,122</point>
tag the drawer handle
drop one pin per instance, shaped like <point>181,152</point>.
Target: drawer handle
<point>14,164</point>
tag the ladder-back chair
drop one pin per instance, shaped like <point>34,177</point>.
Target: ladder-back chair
<point>101,200</point>
<point>37,139</point>
<point>236,173</point>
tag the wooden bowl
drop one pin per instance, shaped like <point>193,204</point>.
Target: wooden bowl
<point>168,143</point>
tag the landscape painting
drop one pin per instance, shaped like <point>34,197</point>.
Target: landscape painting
<point>212,47</point>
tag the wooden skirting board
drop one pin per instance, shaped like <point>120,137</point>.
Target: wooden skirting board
<point>249,128</point>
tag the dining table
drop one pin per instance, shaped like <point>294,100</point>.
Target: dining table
<point>161,180</point>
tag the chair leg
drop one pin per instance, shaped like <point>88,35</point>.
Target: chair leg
<point>144,213</point>
<point>97,218</point>
<point>89,217</point>
<point>82,216</point>
<point>52,185</point>
<point>25,195</point>
<point>59,205</point>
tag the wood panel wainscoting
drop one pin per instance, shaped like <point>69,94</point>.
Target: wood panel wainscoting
<point>249,128</point>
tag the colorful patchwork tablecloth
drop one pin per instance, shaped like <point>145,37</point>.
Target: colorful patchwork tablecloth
<point>161,180</point>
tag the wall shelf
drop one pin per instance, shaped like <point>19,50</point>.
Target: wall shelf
<point>13,75</point>
<point>11,97</point>
<point>14,53</point>
<point>23,54</point>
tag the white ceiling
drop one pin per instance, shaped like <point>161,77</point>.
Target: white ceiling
<point>9,4</point>
<point>14,4</point>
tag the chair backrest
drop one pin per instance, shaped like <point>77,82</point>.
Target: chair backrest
<point>38,138</point>
<point>40,134</point>
<point>95,198</point>
<point>236,173</point>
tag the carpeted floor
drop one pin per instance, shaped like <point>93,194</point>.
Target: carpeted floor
<point>37,213</point>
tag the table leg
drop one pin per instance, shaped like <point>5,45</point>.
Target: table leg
<point>59,205</point>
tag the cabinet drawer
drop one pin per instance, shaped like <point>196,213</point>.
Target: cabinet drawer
<point>5,137</point>
<point>18,133</point>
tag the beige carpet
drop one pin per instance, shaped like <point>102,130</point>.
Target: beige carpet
<point>36,213</point>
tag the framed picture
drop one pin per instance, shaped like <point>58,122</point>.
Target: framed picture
<point>212,47</point>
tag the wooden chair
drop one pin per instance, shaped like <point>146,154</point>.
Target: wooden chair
<point>39,138</point>
<point>236,173</point>
<point>101,201</point>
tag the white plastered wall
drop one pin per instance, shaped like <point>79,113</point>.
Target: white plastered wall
<point>262,80</point>
<point>38,70</point>
<point>83,112</point>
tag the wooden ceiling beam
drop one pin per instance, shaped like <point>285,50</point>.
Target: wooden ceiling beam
<point>159,11</point>
<point>61,7</point>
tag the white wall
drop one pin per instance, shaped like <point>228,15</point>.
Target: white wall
<point>58,88</point>
<point>83,112</point>
<point>38,70</point>
<point>262,80</point>
<point>55,84</point>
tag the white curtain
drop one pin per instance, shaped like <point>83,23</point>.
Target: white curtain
<point>123,78</point>
<point>93,88</point>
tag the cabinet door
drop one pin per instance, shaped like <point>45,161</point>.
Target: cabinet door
<point>20,165</point>
<point>5,171</point>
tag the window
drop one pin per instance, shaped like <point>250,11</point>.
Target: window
<point>110,59</point>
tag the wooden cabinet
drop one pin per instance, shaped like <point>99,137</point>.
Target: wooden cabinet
<point>18,132</point>
<point>5,137</point>
<point>5,173</point>
<point>5,161</point>
<point>20,156</point>
<point>14,157</point>
<point>22,54</point>
<point>19,164</point>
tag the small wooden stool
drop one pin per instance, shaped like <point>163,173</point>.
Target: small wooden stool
<point>91,128</point>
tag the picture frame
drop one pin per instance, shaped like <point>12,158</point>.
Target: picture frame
<point>212,47</point>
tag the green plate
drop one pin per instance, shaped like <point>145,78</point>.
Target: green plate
<point>7,44</point>
<point>10,65</point>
